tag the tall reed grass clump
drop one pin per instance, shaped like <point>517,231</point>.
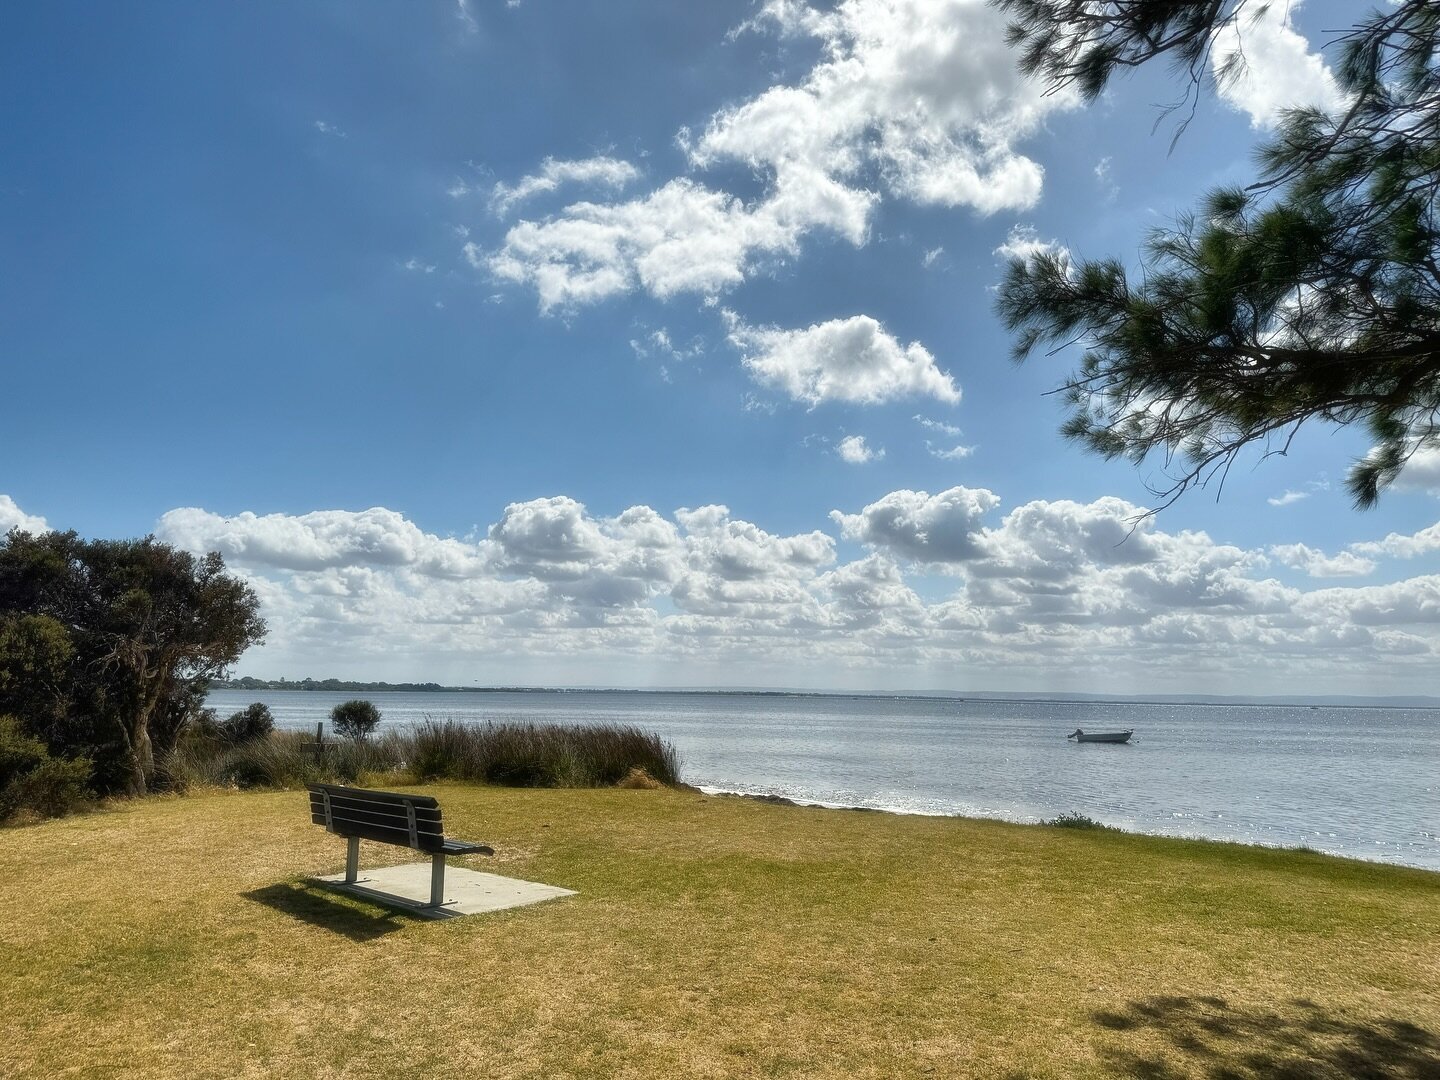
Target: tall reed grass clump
<point>282,759</point>
<point>538,755</point>
<point>509,754</point>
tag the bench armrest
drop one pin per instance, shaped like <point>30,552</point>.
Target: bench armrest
<point>463,847</point>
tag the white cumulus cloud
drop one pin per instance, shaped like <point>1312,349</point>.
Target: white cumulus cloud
<point>921,91</point>
<point>1264,66</point>
<point>320,540</point>
<point>551,592</point>
<point>1402,546</point>
<point>854,450</point>
<point>921,527</point>
<point>917,100</point>
<point>1023,242</point>
<point>853,360</point>
<point>12,517</point>
<point>1287,498</point>
<point>953,453</point>
<point>1421,472</point>
<point>682,237</point>
<point>1319,565</point>
<point>600,171</point>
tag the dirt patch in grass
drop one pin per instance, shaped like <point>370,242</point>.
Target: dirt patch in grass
<point>710,938</point>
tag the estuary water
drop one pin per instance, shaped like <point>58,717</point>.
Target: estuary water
<point>1361,782</point>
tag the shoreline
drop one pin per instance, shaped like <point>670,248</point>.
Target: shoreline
<point>773,799</point>
<point>971,761</point>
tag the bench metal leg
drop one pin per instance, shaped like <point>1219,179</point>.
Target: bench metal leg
<point>352,860</point>
<point>437,880</point>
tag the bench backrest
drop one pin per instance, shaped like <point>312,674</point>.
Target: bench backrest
<point>387,816</point>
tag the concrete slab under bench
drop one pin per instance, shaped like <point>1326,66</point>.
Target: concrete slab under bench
<point>467,892</point>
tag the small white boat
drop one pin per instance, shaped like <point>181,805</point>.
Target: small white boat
<point>1101,736</point>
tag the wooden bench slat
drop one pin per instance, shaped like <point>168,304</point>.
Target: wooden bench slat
<point>432,842</point>
<point>425,819</point>
<point>420,802</point>
<point>369,794</point>
<point>342,826</point>
<point>396,808</point>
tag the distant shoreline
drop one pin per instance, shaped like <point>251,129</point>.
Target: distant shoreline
<point>980,697</point>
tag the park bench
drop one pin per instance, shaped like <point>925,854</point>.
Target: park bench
<point>411,821</point>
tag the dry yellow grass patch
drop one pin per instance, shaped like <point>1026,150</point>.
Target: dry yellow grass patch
<point>710,938</point>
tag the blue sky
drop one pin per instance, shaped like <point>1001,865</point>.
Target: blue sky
<point>404,307</point>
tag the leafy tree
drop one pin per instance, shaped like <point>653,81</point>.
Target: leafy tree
<point>130,633</point>
<point>355,719</point>
<point>1311,295</point>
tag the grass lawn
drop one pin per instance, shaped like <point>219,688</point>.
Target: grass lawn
<point>711,938</point>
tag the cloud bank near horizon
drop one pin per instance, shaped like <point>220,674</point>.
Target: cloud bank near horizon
<point>943,589</point>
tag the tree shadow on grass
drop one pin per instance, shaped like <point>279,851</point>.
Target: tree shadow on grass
<point>1299,1040</point>
<point>356,919</point>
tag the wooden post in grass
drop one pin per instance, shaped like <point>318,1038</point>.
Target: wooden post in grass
<point>318,746</point>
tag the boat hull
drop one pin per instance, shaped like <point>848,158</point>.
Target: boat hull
<point>1105,736</point>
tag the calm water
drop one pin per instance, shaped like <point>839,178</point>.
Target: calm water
<point>1357,782</point>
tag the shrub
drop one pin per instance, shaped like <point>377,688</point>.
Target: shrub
<point>58,786</point>
<point>355,719</point>
<point>201,757</point>
<point>31,780</point>
<point>1080,821</point>
<point>205,725</point>
<point>19,753</point>
<point>247,772</point>
<point>251,723</point>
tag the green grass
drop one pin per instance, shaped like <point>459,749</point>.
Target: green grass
<point>710,938</point>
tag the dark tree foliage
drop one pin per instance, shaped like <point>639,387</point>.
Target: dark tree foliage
<point>355,719</point>
<point>1312,295</point>
<point>36,661</point>
<point>31,780</point>
<point>250,724</point>
<point>127,635</point>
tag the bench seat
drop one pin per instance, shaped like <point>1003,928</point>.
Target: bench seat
<point>388,817</point>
